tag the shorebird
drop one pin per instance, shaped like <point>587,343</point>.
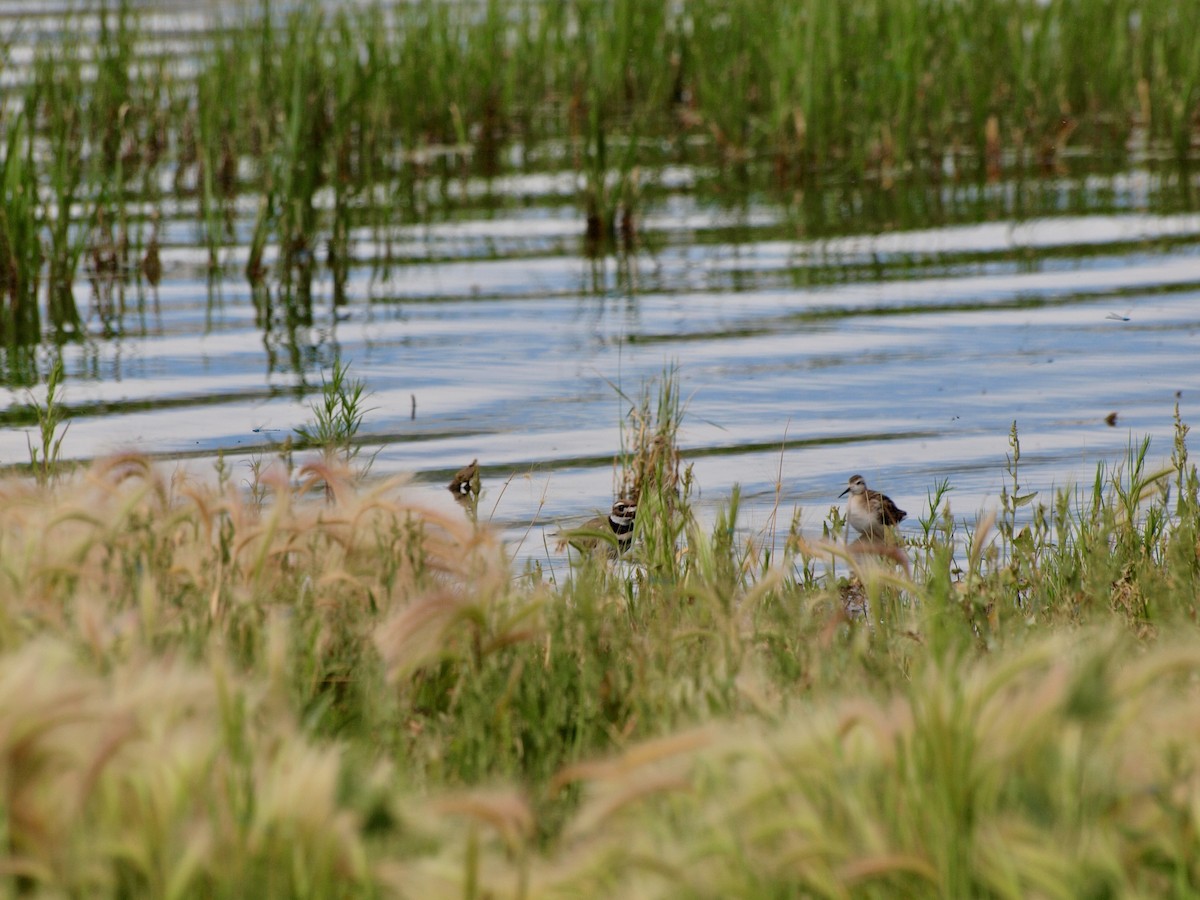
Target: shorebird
<point>612,533</point>
<point>465,483</point>
<point>870,512</point>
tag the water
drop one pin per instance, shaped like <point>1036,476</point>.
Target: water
<point>799,366</point>
<point>809,347</point>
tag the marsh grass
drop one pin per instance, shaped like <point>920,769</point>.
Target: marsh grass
<point>337,416</point>
<point>51,414</point>
<point>20,243</point>
<point>216,692</point>
<point>209,691</point>
<point>339,120</point>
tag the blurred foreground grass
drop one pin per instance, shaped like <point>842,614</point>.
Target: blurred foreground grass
<point>287,692</point>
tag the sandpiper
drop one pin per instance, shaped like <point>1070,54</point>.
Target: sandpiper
<point>613,533</point>
<point>870,512</point>
<point>465,483</point>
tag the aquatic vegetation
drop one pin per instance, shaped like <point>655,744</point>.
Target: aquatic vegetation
<point>20,243</point>
<point>208,691</point>
<point>337,417</point>
<point>51,416</point>
<point>345,122</point>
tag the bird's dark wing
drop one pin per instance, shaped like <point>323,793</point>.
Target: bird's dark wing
<point>892,514</point>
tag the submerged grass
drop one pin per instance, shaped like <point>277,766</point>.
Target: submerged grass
<point>211,692</point>
<point>338,120</point>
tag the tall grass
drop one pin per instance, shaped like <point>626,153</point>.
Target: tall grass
<point>51,414</point>
<point>342,119</point>
<point>209,692</point>
<point>20,243</point>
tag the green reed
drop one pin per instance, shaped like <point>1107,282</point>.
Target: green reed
<point>20,243</point>
<point>51,415</point>
<point>379,115</point>
<point>56,98</point>
<point>337,417</point>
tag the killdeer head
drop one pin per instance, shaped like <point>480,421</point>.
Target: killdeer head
<point>622,516</point>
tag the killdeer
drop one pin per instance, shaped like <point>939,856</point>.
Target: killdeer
<point>870,512</point>
<point>465,483</point>
<point>612,533</point>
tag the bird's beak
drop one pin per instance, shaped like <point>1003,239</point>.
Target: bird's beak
<point>844,493</point>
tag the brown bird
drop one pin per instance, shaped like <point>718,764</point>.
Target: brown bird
<point>870,512</point>
<point>465,483</point>
<point>612,533</point>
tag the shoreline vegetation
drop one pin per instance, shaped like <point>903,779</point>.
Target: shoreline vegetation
<point>284,131</point>
<point>316,686</point>
<point>320,688</point>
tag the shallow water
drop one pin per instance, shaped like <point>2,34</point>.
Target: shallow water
<point>808,348</point>
<point>906,360</point>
